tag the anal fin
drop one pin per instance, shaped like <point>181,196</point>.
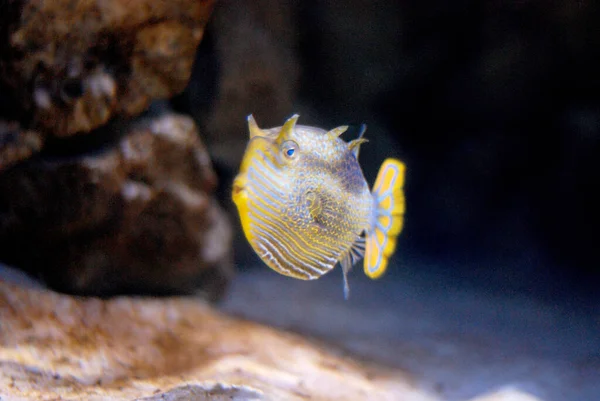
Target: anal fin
<point>353,255</point>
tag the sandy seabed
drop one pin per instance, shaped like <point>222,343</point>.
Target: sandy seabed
<point>458,338</point>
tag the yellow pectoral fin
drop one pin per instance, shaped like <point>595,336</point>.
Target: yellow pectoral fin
<point>314,204</point>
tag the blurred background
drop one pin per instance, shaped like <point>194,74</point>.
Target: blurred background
<point>494,106</point>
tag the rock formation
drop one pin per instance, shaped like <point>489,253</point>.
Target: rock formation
<point>68,67</point>
<point>59,347</point>
<point>135,217</point>
<point>96,199</point>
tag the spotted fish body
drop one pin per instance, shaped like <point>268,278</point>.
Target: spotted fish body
<point>305,205</point>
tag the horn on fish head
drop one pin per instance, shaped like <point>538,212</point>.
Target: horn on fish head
<point>287,129</point>
<point>336,132</point>
<point>253,127</point>
<point>354,145</point>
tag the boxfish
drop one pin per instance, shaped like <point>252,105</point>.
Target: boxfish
<point>305,205</point>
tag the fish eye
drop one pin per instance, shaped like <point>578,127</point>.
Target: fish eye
<point>289,149</point>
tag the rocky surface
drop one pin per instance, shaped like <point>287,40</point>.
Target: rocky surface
<point>136,216</point>
<point>68,67</point>
<point>111,202</point>
<point>60,347</point>
<point>82,349</point>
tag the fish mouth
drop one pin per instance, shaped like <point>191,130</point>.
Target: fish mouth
<point>256,148</point>
<point>238,191</point>
<point>238,187</point>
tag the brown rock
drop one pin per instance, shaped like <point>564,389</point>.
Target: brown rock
<point>60,347</point>
<point>135,217</point>
<point>69,66</point>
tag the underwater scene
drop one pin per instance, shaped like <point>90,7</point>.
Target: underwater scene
<point>299,200</point>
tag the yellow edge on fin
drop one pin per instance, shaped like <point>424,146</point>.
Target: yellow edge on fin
<point>388,218</point>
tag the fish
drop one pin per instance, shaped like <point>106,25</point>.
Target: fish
<point>305,205</point>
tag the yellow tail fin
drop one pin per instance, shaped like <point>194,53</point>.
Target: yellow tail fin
<point>388,217</point>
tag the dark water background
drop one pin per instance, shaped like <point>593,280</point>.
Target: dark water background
<point>495,108</point>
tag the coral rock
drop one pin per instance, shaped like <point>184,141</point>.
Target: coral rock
<point>69,66</point>
<point>61,347</point>
<point>137,216</point>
